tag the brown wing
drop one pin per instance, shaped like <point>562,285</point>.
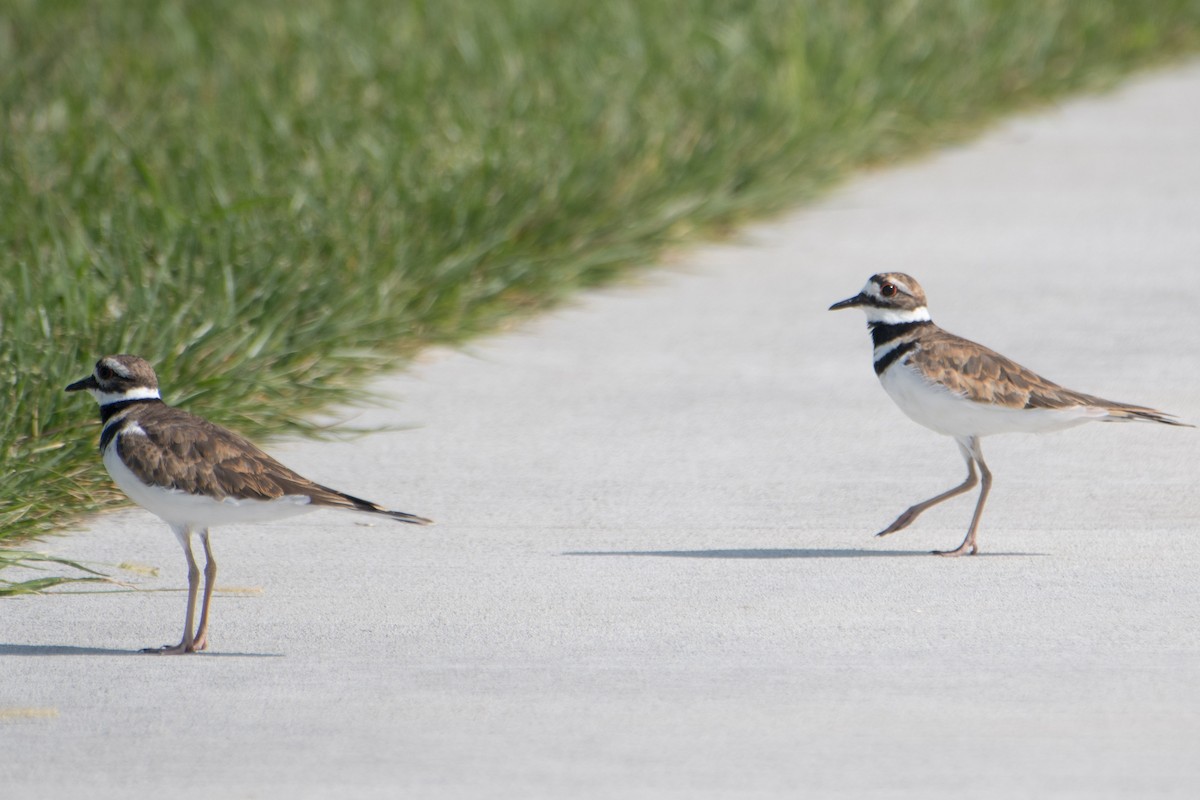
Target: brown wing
<point>186,452</point>
<point>985,376</point>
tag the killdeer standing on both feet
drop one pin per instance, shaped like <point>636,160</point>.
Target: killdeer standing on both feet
<point>194,474</point>
<point>962,389</point>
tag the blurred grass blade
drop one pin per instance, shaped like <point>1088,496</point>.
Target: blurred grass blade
<point>29,560</point>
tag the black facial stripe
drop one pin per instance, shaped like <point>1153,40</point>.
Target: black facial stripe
<point>889,358</point>
<point>875,302</point>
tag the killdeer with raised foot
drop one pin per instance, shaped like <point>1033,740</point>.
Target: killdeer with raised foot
<point>194,474</point>
<point>962,389</point>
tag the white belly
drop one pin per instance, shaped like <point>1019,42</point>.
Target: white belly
<point>941,410</point>
<point>180,508</point>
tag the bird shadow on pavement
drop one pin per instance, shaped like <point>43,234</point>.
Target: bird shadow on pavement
<point>69,650</point>
<point>769,553</point>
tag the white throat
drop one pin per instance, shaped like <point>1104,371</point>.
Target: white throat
<point>136,393</point>
<point>896,316</point>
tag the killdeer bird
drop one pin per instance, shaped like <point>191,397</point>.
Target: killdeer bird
<point>962,389</point>
<point>194,474</point>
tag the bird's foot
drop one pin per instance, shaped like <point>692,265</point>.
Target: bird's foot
<point>183,648</point>
<point>964,549</point>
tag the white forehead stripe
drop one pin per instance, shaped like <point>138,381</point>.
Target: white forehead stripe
<point>873,289</point>
<point>117,367</point>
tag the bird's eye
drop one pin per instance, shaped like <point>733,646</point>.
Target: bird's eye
<point>104,372</point>
<point>887,290</point>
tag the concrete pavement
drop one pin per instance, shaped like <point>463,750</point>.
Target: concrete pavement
<point>653,573</point>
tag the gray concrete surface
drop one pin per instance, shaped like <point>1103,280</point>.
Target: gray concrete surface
<point>654,575</point>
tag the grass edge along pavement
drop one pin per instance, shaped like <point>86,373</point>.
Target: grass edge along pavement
<point>273,203</point>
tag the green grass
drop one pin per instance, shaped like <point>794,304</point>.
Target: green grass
<point>273,200</point>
